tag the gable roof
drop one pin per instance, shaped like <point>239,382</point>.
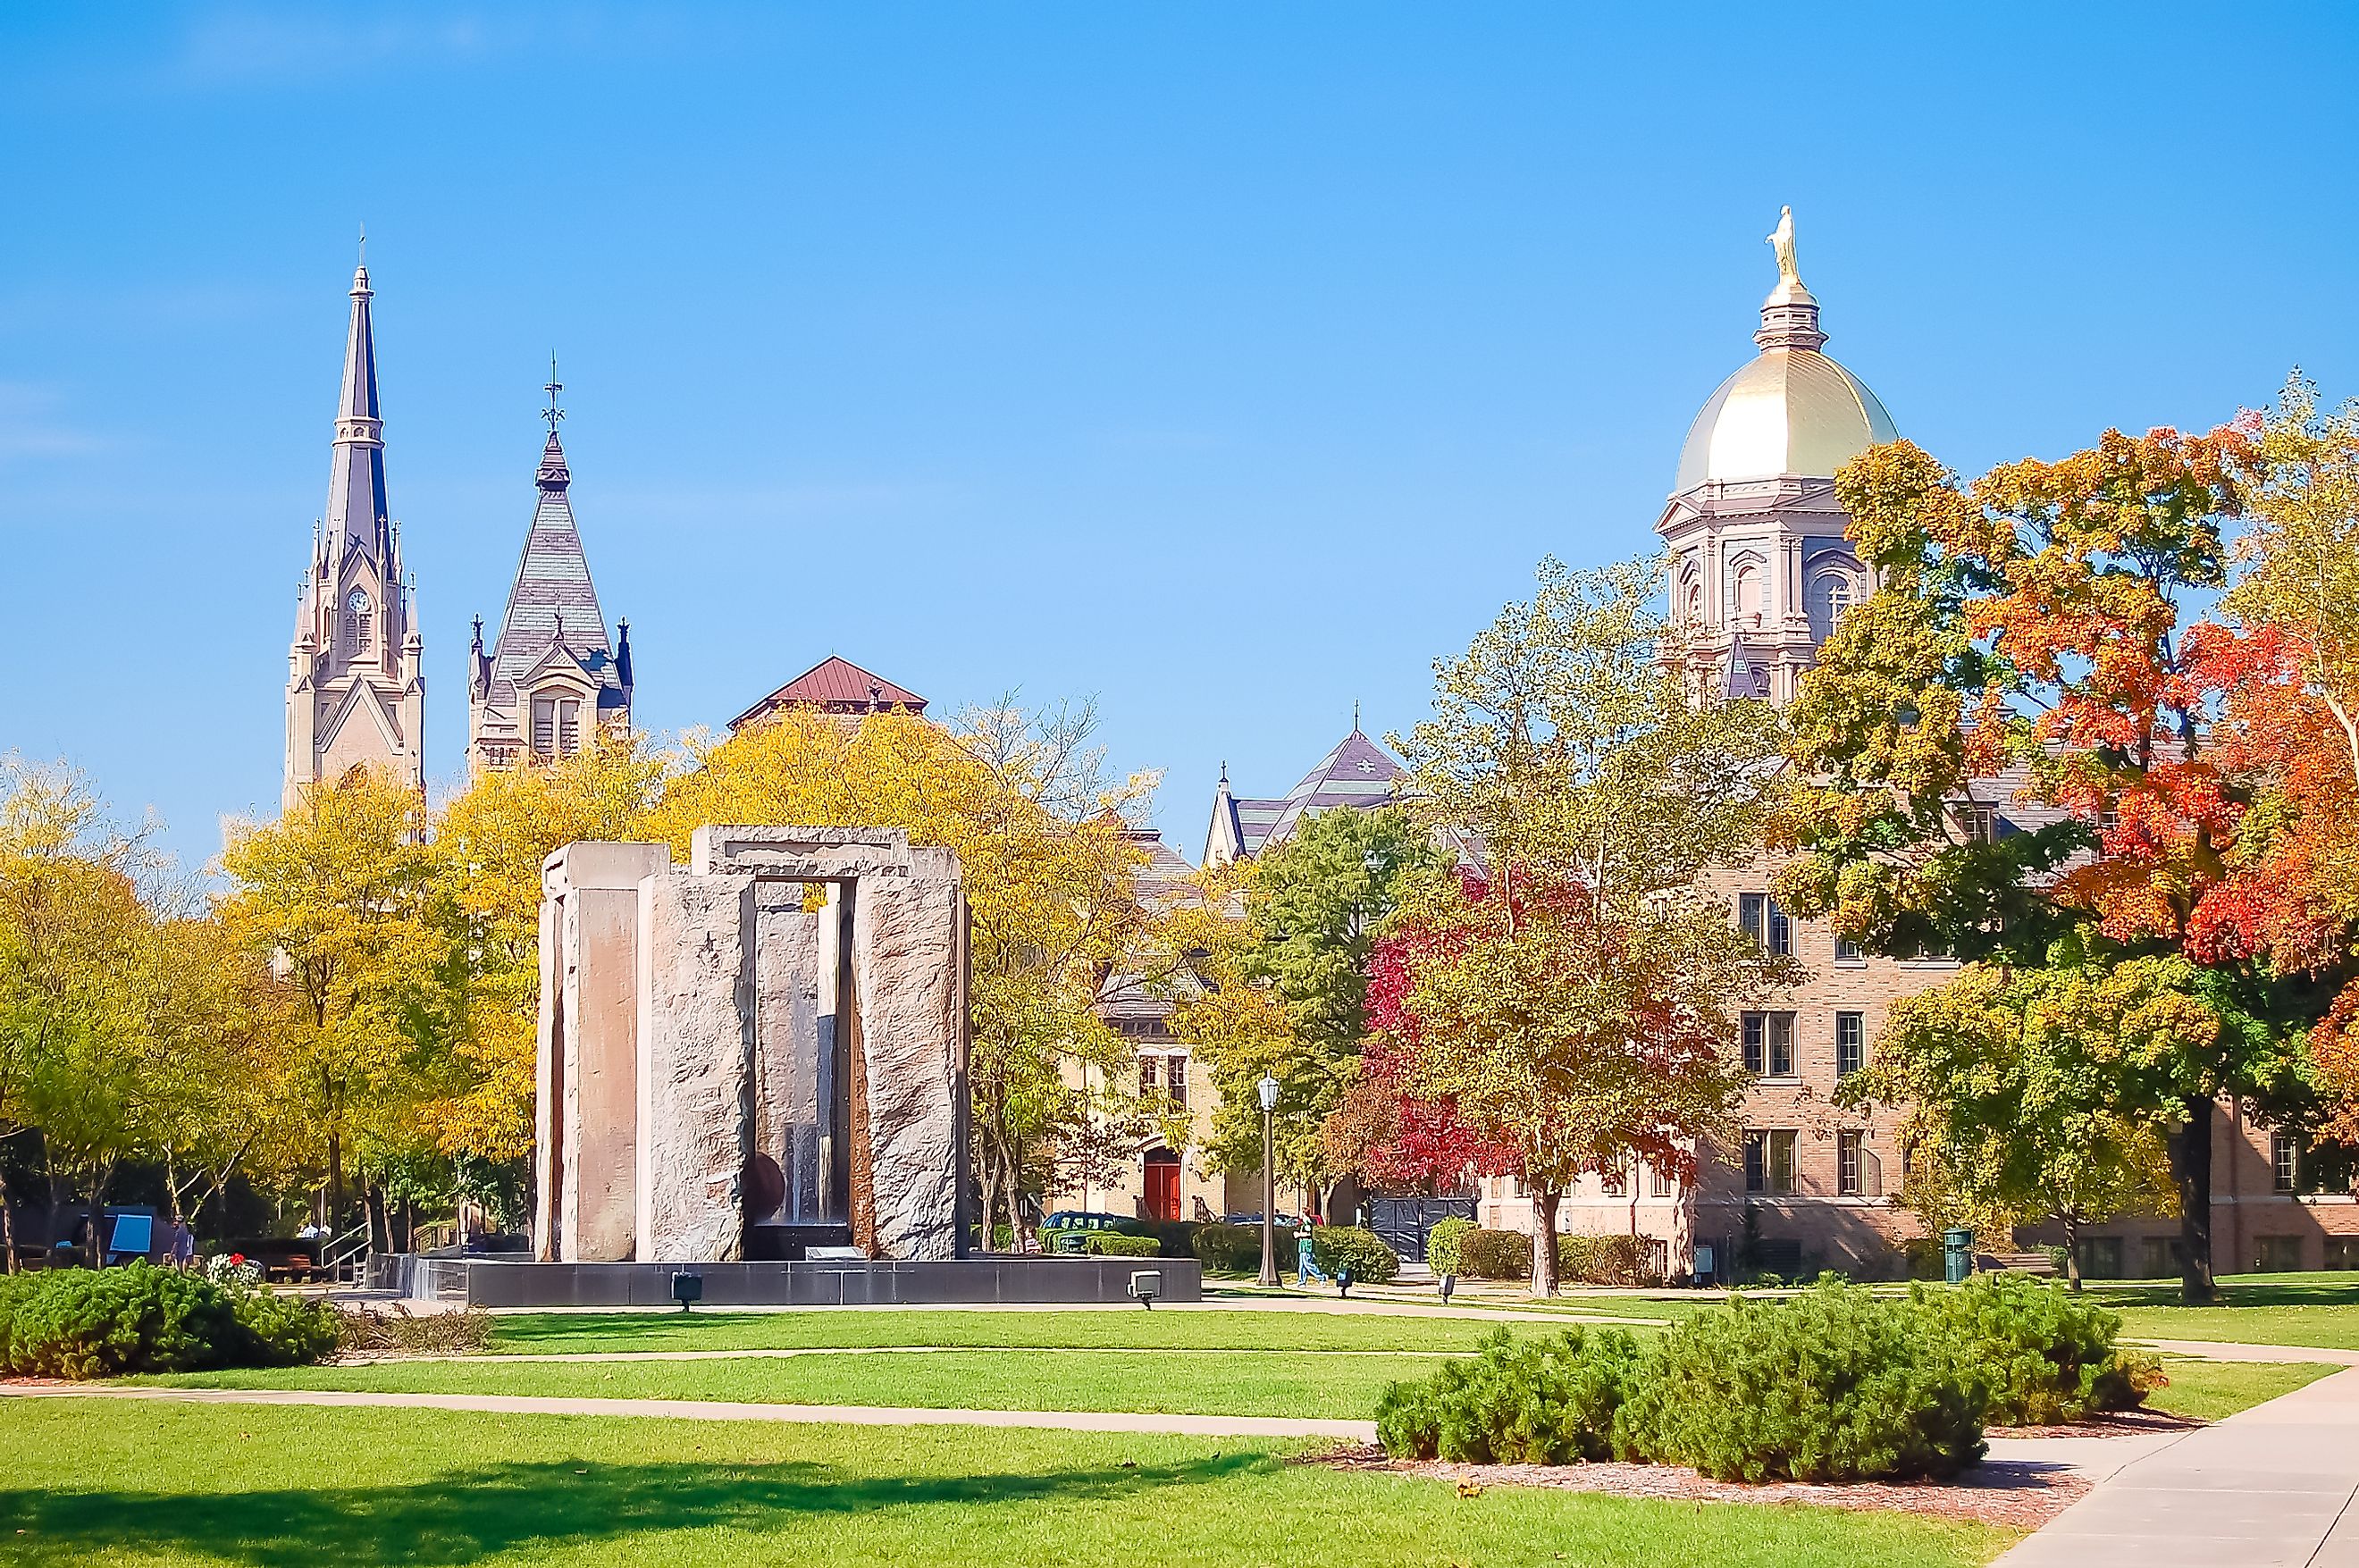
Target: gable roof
<point>1357,773</point>
<point>835,686</point>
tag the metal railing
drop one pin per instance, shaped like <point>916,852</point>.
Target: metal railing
<point>340,1258</point>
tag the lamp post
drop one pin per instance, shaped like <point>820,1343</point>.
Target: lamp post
<point>1268,1087</point>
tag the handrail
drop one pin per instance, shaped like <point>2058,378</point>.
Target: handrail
<point>338,1252</point>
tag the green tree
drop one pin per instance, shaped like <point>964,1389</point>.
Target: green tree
<point>1313,905</point>
<point>1583,1009</point>
<point>2041,1092</point>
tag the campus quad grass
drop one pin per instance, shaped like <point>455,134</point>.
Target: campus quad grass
<point>1102,1328</point>
<point>124,1483</point>
<point>1343,1385</point>
<point>1334,1386</point>
<point>2318,1310</point>
<point>2208,1390</point>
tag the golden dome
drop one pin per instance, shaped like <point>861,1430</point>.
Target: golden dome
<point>1792,410</point>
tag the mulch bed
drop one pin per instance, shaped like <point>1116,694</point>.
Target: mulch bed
<point>2110,1423</point>
<point>2017,1494</point>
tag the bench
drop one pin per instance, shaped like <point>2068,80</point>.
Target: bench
<point>2019,1262</point>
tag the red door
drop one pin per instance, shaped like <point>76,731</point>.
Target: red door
<point>1162,1184</point>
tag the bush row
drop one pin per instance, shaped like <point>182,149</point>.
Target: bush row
<point>1459,1247</point>
<point>1837,1384</point>
<point>81,1323</point>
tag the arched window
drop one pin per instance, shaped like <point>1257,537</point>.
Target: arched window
<point>1752,591</point>
<point>1691,600</point>
<point>1833,591</point>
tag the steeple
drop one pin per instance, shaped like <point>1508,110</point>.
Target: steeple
<point>551,675</point>
<point>356,507</point>
<point>355,694</point>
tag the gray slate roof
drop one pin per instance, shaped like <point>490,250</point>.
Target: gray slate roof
<point>553,588</point>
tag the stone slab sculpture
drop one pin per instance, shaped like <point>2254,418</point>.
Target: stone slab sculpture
<point>794,1060</point>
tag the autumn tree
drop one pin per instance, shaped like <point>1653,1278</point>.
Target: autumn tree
<point>488,846</point>
<point>75,937</point>
<point>1578,1008</point>
<point>1281,989</point>
<point>2033,638</point>
<point>1039,826</point>
<point>336,896</point>
<point>2036,1094</point>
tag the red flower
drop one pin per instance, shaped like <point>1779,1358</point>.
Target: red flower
<point>237,1257</point>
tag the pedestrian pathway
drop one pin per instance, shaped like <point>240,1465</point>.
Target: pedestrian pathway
<point>723,1409</point>
<point>790,1352</point>
<point>2269,1486</point>
<point>2222,1350</point>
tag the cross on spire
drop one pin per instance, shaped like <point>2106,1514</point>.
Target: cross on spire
<point>553,387</point>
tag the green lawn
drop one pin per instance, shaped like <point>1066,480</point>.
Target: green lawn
<point>2318,1310</point>
<point>2207,1390</point>
<point>1336,1385</point>
<point>1243,1329</point>
<point>125,1483</point>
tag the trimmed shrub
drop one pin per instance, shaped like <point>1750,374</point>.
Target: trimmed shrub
<point>1114,1244</point>
<point>1833,1385</point>
<point>1605,1259</point>
<point>2041,1355</point>
<point>1441,1244</point>
<point>1496,1254</point>
<point>81,1323</point>
<point>1535,1401</point>
<point>1177,1236</point>
<point>1338,1248</point>
<point>1236,1248</point>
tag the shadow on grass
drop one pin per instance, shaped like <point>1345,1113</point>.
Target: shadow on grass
<point>468,1516</point>
<point>2339,1289</point>
<point>528,1332</point>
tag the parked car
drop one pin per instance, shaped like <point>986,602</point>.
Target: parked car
<point>1063,1231</point>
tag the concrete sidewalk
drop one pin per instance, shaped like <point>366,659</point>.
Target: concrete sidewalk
<point>2269,1486</point>
<point>721,1410</point>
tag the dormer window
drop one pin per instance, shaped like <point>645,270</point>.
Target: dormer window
<point>556,726</point>
<point>356,619</point>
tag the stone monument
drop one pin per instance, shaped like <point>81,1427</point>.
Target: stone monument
<point>761,1054</point>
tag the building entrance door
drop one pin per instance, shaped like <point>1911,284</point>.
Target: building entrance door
<point>1162,1184</point>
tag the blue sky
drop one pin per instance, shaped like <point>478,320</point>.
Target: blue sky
<point>1224,362</point>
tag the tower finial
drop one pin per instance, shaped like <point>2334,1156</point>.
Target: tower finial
<point>552,413</point>
<point>1782,240</point>
<point>1356,715</point>
<point>1789,317</point>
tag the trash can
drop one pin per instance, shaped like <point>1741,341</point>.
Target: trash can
<point>1957,1255</point>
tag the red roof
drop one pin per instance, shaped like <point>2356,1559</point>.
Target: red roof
<point>836,686</point>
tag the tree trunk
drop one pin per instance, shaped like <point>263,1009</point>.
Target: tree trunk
<point>1544,1244</point>
<point>99,1176</point>
<point>2072,1250</point>
<point>333,1199</point>
<point>2190,1166</point>
<point>374,1211</point>
<point>7,1222</point>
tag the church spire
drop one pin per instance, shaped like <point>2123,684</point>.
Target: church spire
<point>356,509</point>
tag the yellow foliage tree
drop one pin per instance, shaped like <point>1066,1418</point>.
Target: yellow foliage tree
<point>489,844</point>
<point>336,897</point>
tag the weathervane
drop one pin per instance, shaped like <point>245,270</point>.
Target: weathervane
<point>552,413</point>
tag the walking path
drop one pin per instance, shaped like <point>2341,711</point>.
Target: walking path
<point>724,1409</point>
<point>789,1353</point>
<point>2222,1350</point>
<point>2269,1486</point>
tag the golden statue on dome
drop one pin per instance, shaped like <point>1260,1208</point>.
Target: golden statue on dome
<point>1782,240</point>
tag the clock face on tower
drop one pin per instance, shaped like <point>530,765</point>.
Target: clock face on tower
<point>359,603</point>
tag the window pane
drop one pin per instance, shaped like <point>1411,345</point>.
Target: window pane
<point>1781,1045</point>
<point>1847,1164</point>
<point>1851,1043</point>
<point>568,728</point>
<point>1781,933</point>
<point>1753,916</point>
<point>1753,1036</point>
<point>1781,1161</point>
<point>1846,951</point>
<point>1146,1075</point>
<point>1175,1070</point>
<point>1754,1162</point>
<point>544,726</point>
